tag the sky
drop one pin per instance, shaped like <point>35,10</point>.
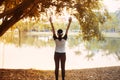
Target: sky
<point>112,5</point>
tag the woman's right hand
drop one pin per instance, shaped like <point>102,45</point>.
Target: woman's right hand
<point>50,19</point>
<point>70,19</point>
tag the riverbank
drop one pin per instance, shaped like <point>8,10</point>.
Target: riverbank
<point>104,73</point>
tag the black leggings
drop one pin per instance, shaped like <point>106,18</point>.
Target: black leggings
<point>60,57</point>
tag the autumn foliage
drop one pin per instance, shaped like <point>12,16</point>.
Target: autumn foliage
<point>89,13</point>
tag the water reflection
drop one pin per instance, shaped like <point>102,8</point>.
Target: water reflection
<point>31,49</point>
<point>43,39</point>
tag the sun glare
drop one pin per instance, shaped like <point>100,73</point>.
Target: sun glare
<point>112,5</point>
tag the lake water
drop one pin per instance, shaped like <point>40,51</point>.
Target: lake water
<point>38,53</point>
<point>27,57</point>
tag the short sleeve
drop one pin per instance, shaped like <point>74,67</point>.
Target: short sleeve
<point>65,37</point>
<point>54,37</point>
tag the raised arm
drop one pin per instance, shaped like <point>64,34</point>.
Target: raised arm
<point>53,30</point>
<point>70,20</point>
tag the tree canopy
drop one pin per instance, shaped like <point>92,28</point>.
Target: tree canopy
<point>89,13</point>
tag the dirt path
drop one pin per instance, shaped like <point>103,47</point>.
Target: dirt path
<point>106,73</point>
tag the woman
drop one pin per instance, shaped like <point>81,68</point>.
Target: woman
<point>60,54</point>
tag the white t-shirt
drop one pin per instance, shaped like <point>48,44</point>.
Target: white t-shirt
<point>60,44</point>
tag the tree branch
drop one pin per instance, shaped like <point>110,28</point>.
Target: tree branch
<point>16,14</point>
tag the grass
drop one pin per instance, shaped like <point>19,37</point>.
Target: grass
<point>105,73</point>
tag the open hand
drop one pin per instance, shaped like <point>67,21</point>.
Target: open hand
<point>70,19</point>
<point>50,19</point>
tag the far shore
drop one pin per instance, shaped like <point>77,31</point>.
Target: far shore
<point>106,34</point>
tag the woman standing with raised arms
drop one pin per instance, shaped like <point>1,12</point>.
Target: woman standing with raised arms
<point>60,53</point>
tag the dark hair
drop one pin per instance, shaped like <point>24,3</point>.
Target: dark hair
<point>59,31</point>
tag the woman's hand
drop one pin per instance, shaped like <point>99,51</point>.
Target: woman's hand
<point>70,19</point>
<point>53,30</point>
<point>50,20</point>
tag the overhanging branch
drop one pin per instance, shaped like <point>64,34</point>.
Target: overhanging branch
<point>16,14</point>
